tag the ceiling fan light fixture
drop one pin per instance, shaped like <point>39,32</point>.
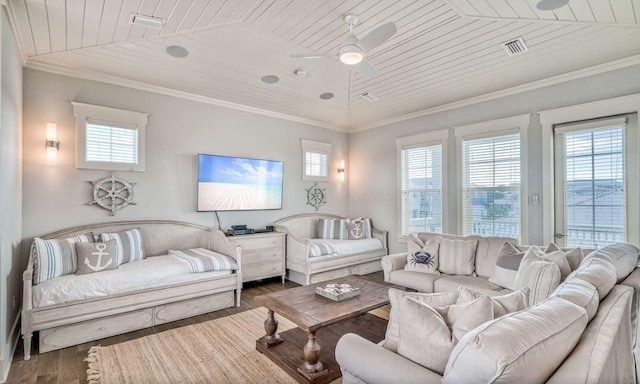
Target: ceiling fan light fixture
<point>550,5</point>
<point>351,55</point>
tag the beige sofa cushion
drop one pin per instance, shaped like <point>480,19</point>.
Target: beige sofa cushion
<point>502,305</point>
<point>423,256</point>
<point>481,284</point>
<point>624,257</point>
<point>598,271</point>
<point>580,293</point>
<point>522,347</point>
<point>429,334</point>
<point>541,276</point>
<point>422,282</point>
<point>457,257</point>
<point>574,256</point>
<point>507,264</point>
<point>392,337</point>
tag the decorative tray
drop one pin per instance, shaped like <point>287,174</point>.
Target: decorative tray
<point>338,292</point>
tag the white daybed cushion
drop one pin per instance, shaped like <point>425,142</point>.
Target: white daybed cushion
<point>152,272</point>
<point>337,247</point>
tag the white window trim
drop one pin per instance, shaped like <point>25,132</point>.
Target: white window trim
<point>83,111</point>
<point>593,110</point>
<point>513,124</point>
<point>422,140</point>
<point>314,147</point>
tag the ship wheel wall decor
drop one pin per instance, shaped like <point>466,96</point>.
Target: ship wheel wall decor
<point>112,193</point>
<point>316,196</point>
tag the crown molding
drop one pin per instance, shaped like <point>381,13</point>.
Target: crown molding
<point>554,80</point>
<point>139,85</point>
<point>16,32</point>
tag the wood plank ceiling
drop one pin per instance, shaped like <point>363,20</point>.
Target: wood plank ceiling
<point>445,51</point>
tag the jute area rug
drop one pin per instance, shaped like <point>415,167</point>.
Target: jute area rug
<point>216,351</point>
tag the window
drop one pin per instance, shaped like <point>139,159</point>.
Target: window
<point>491,178</point>
<point>315,159</point>
<point>590,183</point>
<point>109,138</point>
<point>421,182</point>
<point>491,186</point>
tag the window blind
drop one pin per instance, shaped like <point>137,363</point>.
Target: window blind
<point>491,186</point>
<point>421,189</point>
<point>594,178</point>
<point>316,164</point>
<point>109,144</point>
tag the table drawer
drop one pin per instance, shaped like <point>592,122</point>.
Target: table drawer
<point>262,271</point>
<point>263,256</point>
<point>251,243</point>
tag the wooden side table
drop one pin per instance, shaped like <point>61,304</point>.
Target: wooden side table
<point>263,255</point>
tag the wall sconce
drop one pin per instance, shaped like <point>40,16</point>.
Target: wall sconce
<point>52,144</point>
<point>341,170</point>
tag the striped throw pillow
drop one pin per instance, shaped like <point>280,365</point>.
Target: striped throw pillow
<point>53,258</point>
<point>333,229</point>
<point>205,260</point>
<point>128,245</point>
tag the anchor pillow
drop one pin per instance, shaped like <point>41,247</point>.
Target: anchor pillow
<point>96,257</point>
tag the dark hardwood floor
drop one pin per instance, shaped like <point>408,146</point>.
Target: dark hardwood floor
<point>67,365</point>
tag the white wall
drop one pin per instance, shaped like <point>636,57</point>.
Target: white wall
<point>10,191</point>
<point>373,160</point>
<point>56,197</point>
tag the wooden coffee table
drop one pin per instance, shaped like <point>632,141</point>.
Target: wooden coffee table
<point>312,312</point>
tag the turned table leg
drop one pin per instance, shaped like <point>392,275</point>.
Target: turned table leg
<point>312,367</point>
<point>271,337</point>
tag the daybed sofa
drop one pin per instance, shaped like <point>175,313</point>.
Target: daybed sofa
<point>76,308</point>
<point>344,258</point>
<point>585,331</point>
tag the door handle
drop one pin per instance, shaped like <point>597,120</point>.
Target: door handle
<point>559,235</point>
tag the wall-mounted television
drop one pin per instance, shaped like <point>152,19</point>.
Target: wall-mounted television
<point>238,184</point>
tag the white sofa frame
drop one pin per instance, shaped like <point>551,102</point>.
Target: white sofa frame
<point>304,269</point>
<point>77,322</point>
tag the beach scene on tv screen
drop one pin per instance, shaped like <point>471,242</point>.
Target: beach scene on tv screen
<point>231,184</point>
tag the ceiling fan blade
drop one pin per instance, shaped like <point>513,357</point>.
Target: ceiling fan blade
<point>365,69</point>
<point>310,55</point>
<point>378,36</point>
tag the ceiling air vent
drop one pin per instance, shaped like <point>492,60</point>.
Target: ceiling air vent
<point>515,47</point>
<point>370,97</point>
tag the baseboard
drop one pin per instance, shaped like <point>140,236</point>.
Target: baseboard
<point>9,349</point>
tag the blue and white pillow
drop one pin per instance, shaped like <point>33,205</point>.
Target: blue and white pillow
<point>333,229</point>
<point>205,260</point>
<point>56,257</point>
<point>128,245</point>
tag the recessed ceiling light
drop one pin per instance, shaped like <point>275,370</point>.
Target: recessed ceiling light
<point>326,96</point>
<point>270,79</point>
<point>146,21</point>
<point>177,51</point>
<point>550,5</point>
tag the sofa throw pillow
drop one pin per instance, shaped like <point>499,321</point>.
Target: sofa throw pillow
<point>502,305</point>
<point>205,260</point>
<point>332,229</point>
<point>542,277</point>
<point>429,334</point>
<point>457,257</point>
<point>623,255</point>
<point>359,229</point>
<point>96,257</point>
<point>53,258</point>
<point>392,337</point>
<point>422,257</point>
<point>507,264</point>
<point>560,259</point>
<point>128,245</point>
<point>574,256</point>
<point>521,347</point>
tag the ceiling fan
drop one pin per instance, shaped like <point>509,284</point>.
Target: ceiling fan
<point>352,50</point>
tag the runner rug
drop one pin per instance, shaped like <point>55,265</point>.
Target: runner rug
<point>215,351</point>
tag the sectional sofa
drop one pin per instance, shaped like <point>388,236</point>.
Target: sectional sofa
<point>584,331</point>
